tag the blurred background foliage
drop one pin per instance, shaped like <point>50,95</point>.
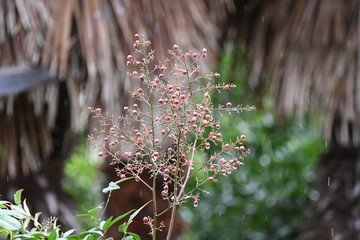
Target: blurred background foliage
<point>83,177</point>
<point>265,199</point>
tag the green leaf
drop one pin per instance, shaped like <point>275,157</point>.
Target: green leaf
<point>95,231</point>
<point>128,238</point>
<point>20,210</point>
<point>83,215</point>
<point>137,211</point>
<point>53,234</point>
<point>26,208</point>
<point>123,227</point>
<point>123,180</point>
<point>104,225</point>
<point>9,223</point>
<point>121,217</point>
<point>112,186</point>
<point>73,238</point>
<point>17,196</point>
<point>89,237</point>
<point>93,211</point>
<point>135,236</point>
<point>68,232</point>
<point>26,223</point>
<point>28,236</point>
<point>36,218</point>
<point>11,213</point>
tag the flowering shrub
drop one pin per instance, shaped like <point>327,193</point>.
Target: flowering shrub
<point>172,120</point>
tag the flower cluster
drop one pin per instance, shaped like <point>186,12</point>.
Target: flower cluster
<point>173,118</point>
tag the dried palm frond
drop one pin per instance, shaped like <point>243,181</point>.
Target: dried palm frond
<point>311,51</point>
<point>85,43</point>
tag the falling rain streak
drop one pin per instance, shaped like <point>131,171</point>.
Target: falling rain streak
<point>329,181</point>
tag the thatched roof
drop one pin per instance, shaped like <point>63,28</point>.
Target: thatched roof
<point>85,42</point>
<point>310,50</point>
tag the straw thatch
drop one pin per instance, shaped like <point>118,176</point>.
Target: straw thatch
<point>310,50</point>
<point>84,43</point>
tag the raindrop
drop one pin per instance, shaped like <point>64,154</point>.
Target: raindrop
<point>196,203</point>
<point>220,213</point>
<point>229,171</point>
<point>329,181</point>
<point>165,178</point>
<point>332,232</point>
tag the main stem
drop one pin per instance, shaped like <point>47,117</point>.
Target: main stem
<point>176,178</point>
<point>154,208</point>
<point>154,223</point>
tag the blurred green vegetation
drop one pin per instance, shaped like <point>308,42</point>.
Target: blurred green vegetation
<point>83,179</point>
<point>267,197</point>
